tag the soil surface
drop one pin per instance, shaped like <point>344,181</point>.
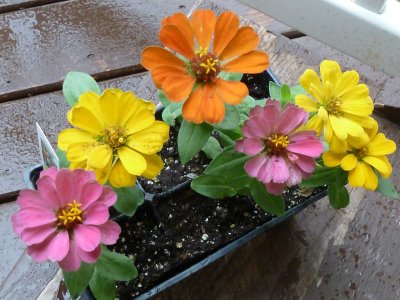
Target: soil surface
<point>182,230</point>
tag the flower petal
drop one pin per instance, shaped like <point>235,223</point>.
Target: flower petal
<point>154,166</point>
<point>347,82</point>
<point>275,188</point>
<point>313,148</point>
<point>279,169</point>
<point>146,141</point>
<point>87,237</point>
<point>332,159</point>
<point>154,56</point>
<point>141,119</point>
<point>74,135</point>
<point>119,176</point>
<point>160,73</point>
<point>178,88</point>
<point>305,163</point>
<point>172,37</point>
<point>103,174</point>
<point>245,40</point>
<point>71,261</point>
<point>349,162</point>
<point>99,156</point>
<point>48,193</point>
<point>310,81</point>
<point>132,161</point>
<point>54,248</point>
<point>292,118</point>
<point>226,27</point>
<point>91,256</point>
<point>251,146</point>
<point>182,23</point>
<point>330,72</point>
<point>253,165</point>
<point>371,180</point>
<point>191,109</point>
<point>90,193</point>
<point>110,232</point>
<point>306,103</point>
<point>380,145</point>
<point>96,214</point>
<point>231,92</point>
<point>37,234</point>
<point>203,24</point>
<point>358,175</point>
<point>377,163</point>
<point>252,62</point>
<point>213,108</point>
<point>83,118</point>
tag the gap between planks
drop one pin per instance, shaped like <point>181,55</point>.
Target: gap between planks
<point>27,4</point>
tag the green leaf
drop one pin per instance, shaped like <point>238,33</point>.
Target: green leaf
<point>76,83</point>
<point>231,76</point>
<point>274,90</point>
<point>102,287</point>
<point>297,90</point>
<point>128,199</point>
<point>338,196</point>
<point>323,175</point>
<point>286,94</point>
<point>228,163</point>
<point>385,186</point>
<point>191,139</point>
<point>115,266</point>
<point>269,203</point>
<point>247,104</point>
<point>212,148</point>
<point>212,186</point>
<point>171,112</point>
<point>62,158</point>
<point>231,119</point>
<point>77,282</point>
<point>163,99</point>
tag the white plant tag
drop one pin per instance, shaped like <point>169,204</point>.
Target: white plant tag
<point>47,153</point>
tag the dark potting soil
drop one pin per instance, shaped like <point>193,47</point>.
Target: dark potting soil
<point>182,231</point>
<point>257,84</point>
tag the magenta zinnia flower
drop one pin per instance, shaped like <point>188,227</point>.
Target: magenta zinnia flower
<point>67,218</point>
<point>283,155</point>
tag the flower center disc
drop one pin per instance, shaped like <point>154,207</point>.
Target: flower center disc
<point>333,107</point>
<point>276,143</point>
<point>205,66</point>
<point>114,136</point>
<point>69,215</point>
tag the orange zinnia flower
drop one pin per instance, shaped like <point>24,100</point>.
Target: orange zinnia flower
<point>190,69</point>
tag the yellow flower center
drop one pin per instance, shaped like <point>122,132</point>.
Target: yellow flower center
<point>69,215</point>
<point>360,153</point>
<point>114,136</point>
<point>202,51</point>
<point>276,143</point>
<point>205,67</point>
<point>333,107</point>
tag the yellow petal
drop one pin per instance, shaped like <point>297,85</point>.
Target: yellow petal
<point>358,142</point>
<point>103,174</point>
<point>336,145</point>
<point>332,159</point>
<point>133,162</point>
<point>109,107</point>
<point>145,142</point>
<point>377,163</point>
<point>330,72</point>
<point>78,165</point>
<point>388,166</point>
<point>80,151</point>
<point>360,91</point>
<point>310,78</point>
<point>315,123</point>
<point>306,103</point>
<point>358,107</point>
<point>90,100</point>
<point>371,180</point>
<point>323,114</point>
<point>380,145</point>
<point>84,118</point>
<point>346,83</point>
<point>338,127</point>
<point>349,162</point>
<point>154,166</point>
<point>73,135</point>
<point>141,119</point>
<point>119,177</point>
<point>99,156</point>
<point>357,175</point>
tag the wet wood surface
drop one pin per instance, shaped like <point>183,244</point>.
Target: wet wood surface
<point>318,254</point>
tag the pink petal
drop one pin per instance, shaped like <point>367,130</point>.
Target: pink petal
<point>91,192</point>
<point>292,118</point>
<point>108,196</point>
<point>48,192</point>
<point>303,135</point>
<point>110,232</point>
<point>33,216</point>
<point>305,163</point>
<point>239,146</point>
<point>264,173</point>
<point>96,214</point>
<point>90,257</point>
<point>87,237</point>
<point>295,177</point>
<point>275,188</point>
<point>66,187</point>
<point>256,127</point>
<point>253,165</point>
<point>51,172</point>
<point>54,248</point>
<point>31,198</point>
<point>37,234</point>
<point>72,261</point>
<point>252,146</point>
<point>279,169</point>
<point>272,113</point>
<point>313,148</point>
<point>256,111</point>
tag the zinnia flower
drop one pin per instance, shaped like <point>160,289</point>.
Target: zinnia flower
<point>342,106</point>
<point>190,69</point>
<point>116,136</point>
<point>362,158</point>
<point>67,218</point>
<point>283,155</point>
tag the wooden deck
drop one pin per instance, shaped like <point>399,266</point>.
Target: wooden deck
<point>319,254</point>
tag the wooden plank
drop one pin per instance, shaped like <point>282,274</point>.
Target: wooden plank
<point>18,139</point>
<point>40,45</point>
<point>7,6</point>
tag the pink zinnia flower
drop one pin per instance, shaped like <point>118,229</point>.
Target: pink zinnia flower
<point>283,155</point>
<point>67,218</point>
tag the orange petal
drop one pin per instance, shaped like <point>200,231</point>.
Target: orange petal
<point>226,27</point>
<point>160,73</point>
<point>245,40</point>
<point>203,24</point>
<point>173,38</point>
<point>231,92</point>
<point>213,107</point>
<point>154,56</point>
<point>182,23</point>
<point>178,88</point>
<point>253,62</point>
<point>191,109</point>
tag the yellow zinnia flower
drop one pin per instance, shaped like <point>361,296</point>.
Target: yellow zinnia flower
<point>115,135</point>
<point>362,156</point>
<point>342,106</point>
